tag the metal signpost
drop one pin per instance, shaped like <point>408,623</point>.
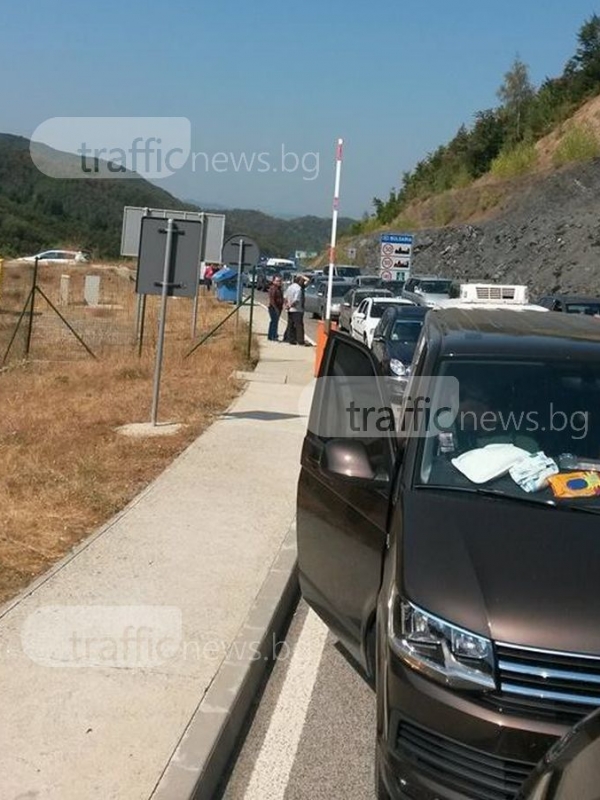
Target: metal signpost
<point>163,319</point>
<point>395,256</point>
<point>212,243</point>
<point>241,251</point>
<point>168,266</point>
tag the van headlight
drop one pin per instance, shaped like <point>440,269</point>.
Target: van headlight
<point>441,651</point>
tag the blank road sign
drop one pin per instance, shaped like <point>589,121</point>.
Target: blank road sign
<point>231,251</point>
<point>132,226</point>
<point>183,272</point>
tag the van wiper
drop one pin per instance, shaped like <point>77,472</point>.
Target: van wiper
<point>483,492</point>
<point>497,493</point>
<point>564,505</point>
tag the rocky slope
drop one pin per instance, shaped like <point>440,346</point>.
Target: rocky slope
<point>546,236</point>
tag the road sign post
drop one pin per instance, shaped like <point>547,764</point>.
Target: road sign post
<point>251,311</point>
<point>167,266</point>
<point>243,252</point>
<point>238,295</point>
<point>163,318</point>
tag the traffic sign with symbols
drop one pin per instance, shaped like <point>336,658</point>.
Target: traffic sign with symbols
<point>396,251</point>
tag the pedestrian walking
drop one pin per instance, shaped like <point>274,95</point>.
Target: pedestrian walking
<point>208,276</point>
<point>275,308</point>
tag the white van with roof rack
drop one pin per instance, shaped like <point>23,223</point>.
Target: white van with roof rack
<point>491,295</point>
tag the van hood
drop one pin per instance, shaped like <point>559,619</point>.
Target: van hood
<point>505,569</point>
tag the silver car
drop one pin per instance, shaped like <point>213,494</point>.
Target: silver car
<point>427,291</point>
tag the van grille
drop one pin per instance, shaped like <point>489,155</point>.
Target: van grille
<point>563,686</point>
<point>470,772</point>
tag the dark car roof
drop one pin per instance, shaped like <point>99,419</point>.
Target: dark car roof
<point>416,312</point>
<point>524,334</point>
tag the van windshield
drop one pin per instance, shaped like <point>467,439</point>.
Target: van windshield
<point>487,415</point>
<point>406,330</point>
<point>347,272</point>
<point>434,287</point>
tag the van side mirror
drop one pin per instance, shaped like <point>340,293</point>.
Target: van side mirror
<point>349,459</point>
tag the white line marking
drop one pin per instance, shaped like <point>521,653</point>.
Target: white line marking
<point>272,769</point>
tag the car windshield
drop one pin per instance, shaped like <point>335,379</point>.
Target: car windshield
<point>513,409</point>
<point>406,330</point>
<point>434,287</point>
<point>347,272</point>
<point>583,308</point>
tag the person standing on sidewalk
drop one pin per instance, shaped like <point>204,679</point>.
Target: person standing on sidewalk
<point>295,304</point>
<point>275,308</point>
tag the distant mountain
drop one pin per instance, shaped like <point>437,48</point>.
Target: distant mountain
<point>39,212</point>
<point>279,233</point>
<point>282,237</point>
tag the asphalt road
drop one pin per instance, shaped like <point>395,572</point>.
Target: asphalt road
<point>313,733</point>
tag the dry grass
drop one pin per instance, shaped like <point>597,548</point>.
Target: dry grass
<point>65,469</point>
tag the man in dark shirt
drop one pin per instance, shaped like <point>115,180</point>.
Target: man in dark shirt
<point>275,308</point>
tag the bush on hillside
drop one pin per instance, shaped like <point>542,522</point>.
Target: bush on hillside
<point>578,144</point>
<point>517,161</point>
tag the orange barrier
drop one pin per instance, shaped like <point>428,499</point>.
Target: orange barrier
<point>321,343</point>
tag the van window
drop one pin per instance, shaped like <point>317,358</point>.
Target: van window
<point>547,406</point>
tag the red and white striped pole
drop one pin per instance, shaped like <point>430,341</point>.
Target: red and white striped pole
<point>336,206</point>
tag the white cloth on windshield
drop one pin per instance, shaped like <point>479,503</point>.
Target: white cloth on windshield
<point>532,473</point>
<point>486,463</point>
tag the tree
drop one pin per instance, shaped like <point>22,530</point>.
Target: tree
<point>516,95</point>
<point>589,45</point>
<point>583,70</point>
<point>485,141</point>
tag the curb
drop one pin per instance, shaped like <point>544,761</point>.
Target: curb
<point>198,763</point>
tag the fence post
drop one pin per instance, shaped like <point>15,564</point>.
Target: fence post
<point>65,288</point>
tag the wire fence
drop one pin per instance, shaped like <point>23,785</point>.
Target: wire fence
<point>60,314</point>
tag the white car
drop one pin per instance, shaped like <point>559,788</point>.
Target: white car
<point>58,257</point>
<point>366,317</point>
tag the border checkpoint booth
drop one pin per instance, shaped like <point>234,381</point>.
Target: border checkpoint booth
<point>226,280</point>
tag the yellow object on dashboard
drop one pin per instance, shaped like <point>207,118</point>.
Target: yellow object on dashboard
<point>575,484</point>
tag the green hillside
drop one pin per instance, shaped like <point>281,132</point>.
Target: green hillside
<point>501,141</point>
<point>38,212</point>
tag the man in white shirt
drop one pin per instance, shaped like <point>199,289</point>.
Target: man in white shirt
<point>294,299</point>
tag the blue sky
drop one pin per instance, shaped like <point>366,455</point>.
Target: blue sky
<point>393,79</point>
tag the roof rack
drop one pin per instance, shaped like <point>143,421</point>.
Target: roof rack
<point>512,294</point>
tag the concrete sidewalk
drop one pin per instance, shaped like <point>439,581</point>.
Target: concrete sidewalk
<point>118,671</point>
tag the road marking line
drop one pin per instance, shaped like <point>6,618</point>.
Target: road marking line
<point>274,763</point>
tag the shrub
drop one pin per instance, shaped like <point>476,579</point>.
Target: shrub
<point>578,144</point>
<point>517,161</point>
